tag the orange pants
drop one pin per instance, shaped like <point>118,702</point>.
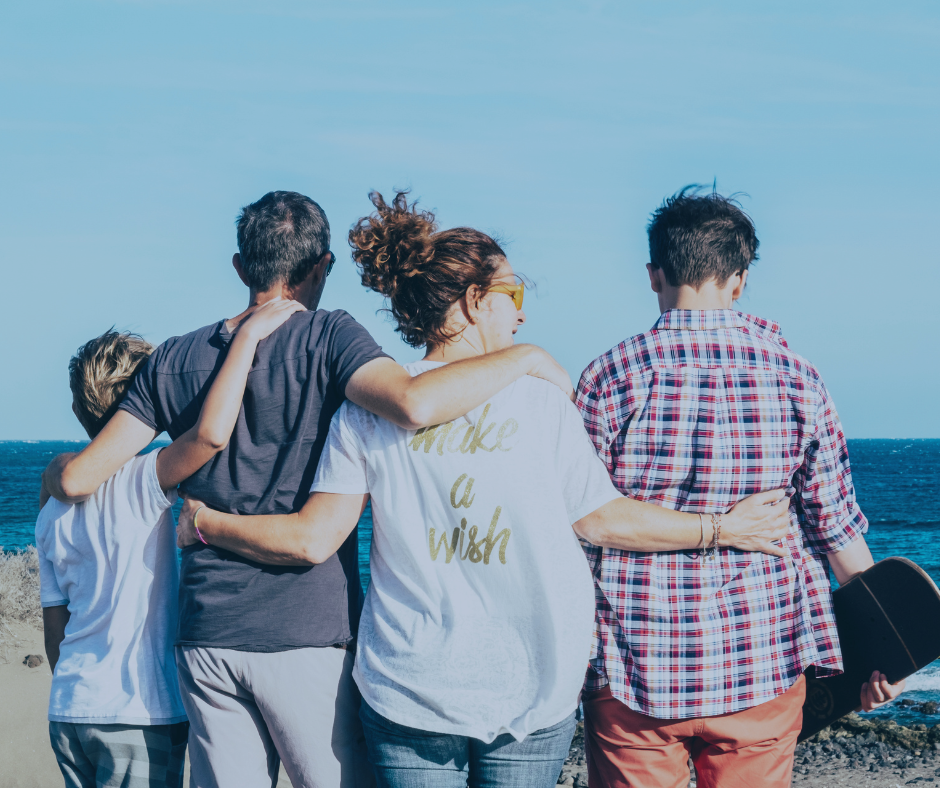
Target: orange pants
<point>745,749</point>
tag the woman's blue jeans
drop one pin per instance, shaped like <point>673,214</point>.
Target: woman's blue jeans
<point>404,757</point>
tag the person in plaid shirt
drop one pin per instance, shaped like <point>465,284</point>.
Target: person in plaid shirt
<point>702,653</point>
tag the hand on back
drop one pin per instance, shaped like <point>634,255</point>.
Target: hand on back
<point>268,317</point>
<point>546,368</point>
<point>755,524</point>
<point>186,528</point>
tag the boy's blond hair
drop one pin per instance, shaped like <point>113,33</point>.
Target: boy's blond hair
<point>100,373</point>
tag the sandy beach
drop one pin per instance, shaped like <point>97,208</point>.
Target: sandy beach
<point>858,753</point>
<point>26,759</point>
<point>854,752</point>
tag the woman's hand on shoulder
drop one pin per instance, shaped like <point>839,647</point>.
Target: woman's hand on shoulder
<point>544,366</point>
<point>268,317</point>
<point>755,524</point>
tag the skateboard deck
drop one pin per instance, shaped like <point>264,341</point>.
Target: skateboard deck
<point>889,620</point>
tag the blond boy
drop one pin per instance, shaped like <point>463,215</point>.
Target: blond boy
<point>109,576</point>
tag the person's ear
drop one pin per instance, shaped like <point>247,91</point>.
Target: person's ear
<point>472,300</point>
<point>237,265</point>
<point>656,278</point>
<point>739,287</point>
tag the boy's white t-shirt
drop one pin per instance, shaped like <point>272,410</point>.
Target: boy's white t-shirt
<point>480,614</point>
<point>112,560</point>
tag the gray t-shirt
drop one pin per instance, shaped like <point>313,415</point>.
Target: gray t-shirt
<point>297,382</point>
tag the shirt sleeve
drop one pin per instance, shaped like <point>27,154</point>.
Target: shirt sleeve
<point>351,346</point>
<point>50,595</point>
<point>591,408</point>
<point>585,483</point>
<point>140,398</point>
<point>342,467</point>
<point>831,517</point>
<point>146,497</point>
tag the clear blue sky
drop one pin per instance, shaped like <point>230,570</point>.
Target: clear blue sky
<point>132,132</point>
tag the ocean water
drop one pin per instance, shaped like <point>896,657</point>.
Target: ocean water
<point>897,482</point>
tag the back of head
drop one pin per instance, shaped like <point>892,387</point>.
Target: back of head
<point>100,373</point>
<point>280,239</point>
<point>422,271</point>
<point>695,238</point>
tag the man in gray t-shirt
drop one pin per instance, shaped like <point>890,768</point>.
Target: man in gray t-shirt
<point>264,651</point>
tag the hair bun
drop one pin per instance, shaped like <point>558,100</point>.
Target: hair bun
<point>393,243</point>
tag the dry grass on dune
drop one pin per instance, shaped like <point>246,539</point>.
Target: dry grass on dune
<point>19,591</point>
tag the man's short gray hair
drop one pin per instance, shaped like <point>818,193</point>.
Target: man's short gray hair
<point>281,237</point>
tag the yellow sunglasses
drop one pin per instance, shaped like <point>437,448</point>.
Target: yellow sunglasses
<point>516,291</point>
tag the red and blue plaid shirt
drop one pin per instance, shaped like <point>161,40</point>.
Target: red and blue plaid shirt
<point>703,410</point>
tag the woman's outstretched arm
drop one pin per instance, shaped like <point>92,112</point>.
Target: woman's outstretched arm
<point>303,538</point>
<point>755,524</point>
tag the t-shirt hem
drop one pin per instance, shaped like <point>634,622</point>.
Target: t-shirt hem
<point>117,719</point>
<point>462,730</point>
<point>266,648</point>
<point>53,602</point>
<point>665,711</point>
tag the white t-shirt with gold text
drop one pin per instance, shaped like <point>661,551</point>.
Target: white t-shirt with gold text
<point>480,614</point>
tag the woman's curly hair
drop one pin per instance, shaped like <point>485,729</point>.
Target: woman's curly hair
<point>422,271</point>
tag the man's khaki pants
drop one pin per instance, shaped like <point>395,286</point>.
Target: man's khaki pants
<point>745,749</point>
<point>248,711</point>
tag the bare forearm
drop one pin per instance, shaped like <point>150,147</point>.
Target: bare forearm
<point>757,523</point>
<point>850,561</point>
<point>307,537</point>
<point>55,480</point>
<point>54,621</point>
<point>446,393</point>
<point>73,478</point>
<point>627,524</point>
<point>223,402</point>
<point>213,429</point>
<point>439,395</point>
<point>52,653</point>
<point>276,539</point>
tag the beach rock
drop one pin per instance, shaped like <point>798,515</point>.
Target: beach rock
<point>33,660</point>
<point>930,707</point>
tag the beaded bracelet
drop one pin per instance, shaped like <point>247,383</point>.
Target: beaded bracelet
<point>716,532</point>
<point>196,527</point>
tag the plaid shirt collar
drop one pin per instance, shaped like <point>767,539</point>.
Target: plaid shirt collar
<point>710,319</point>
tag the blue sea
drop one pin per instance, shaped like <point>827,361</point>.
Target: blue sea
<point>897,482</point>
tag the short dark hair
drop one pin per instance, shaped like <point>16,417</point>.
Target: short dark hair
<point>695,238</point>
<point>281,237</point>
